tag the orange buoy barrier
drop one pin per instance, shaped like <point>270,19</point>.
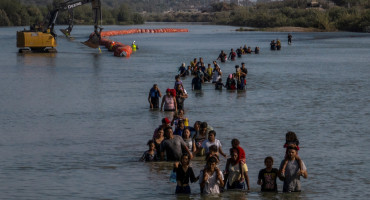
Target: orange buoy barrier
<point>133,31</point>
<point>122,50</point>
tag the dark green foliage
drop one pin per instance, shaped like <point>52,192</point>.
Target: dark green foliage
<point>4,20</point>
<point>14,13</point>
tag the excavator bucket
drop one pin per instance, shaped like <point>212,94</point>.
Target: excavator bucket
<point>92,42</point>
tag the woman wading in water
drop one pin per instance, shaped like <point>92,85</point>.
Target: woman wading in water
<point>169,101</point>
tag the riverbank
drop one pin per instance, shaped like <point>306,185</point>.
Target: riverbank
<point>283,29</point>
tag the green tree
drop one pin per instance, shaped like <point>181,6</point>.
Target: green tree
<point>4,20</point>
<point>123,14</point>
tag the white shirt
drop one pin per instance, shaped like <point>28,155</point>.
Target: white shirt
<point>216,76</point>
<point>212,184</point>
<point>206,144</point>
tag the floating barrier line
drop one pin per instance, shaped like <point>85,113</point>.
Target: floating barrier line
<point>134,31</point>
<point>122,50</point>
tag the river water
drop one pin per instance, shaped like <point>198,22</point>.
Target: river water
<point>74,124</point>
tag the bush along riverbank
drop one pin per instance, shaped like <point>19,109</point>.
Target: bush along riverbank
<point>279,14</point>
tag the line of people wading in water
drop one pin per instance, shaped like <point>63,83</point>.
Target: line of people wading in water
<point>185,142</point>
<point>176,141</point>
<point>173,99</point>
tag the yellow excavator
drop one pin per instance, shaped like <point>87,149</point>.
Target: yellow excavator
<point>42,37</point>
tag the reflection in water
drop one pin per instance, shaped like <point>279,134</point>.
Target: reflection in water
<point>198,93</point>
<point>36,59</point>
<point>241,94</point>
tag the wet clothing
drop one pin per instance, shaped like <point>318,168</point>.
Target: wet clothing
<point>147,157</point>
<point>180,100</point>
<point>257,50</point>
<point>193,132</point>
<point>197,83</point>
<point>218,85</point>
<point>187,72</point>
<point>222,57</point>
<point>211,185</point>
<point>232,55</point>
<point>245,71</point>
<point>154,97</point>
<point>182,71</point>
<point>178,132</point>
<point>216,76</point>
<point>189,143</point>
<point>230,84</point>
<point>209,72</point>
<point>206,144</point>
<point>240,83</point>
<point>169,103</point>
<point>236,175</point>
<point>245,49</point>
<point>199,139</point>
<point>292,181</point>
<point>173,148</point>
<point>273,46</point>
<point>268,180</point>
<point>184,177</point>
<point>157,145</point>
<point>239,52</point>
<point>183,189</point>
<point>241,154</point>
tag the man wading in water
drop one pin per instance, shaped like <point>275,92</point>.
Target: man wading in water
<point>292,173</point>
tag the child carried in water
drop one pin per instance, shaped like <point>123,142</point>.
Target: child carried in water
<point>151,154</point>
<point>212,152</point>
<point>235,144</point>
<point>291,141</point>
<point>184,173</point>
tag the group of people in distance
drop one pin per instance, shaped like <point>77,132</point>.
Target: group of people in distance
<point>275,45</point>
<point>237,53</point>
<point>213,74</point>
<point>185,142</point>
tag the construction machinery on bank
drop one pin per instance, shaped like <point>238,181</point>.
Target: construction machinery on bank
<point>42,37</point>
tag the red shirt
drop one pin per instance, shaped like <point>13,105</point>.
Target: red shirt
<point>241,154</point>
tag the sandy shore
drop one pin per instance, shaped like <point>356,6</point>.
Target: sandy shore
<point>282,29</point>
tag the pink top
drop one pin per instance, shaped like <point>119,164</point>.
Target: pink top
<point>169,103</point>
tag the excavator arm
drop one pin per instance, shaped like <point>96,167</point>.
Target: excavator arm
<point>69,5</point>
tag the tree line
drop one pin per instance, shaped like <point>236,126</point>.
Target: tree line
<point>351,15</point>
<point>345,15</point>
<point>15,13</point>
